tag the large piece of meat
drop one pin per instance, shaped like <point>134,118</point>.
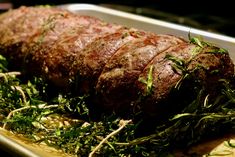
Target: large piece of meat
<point>119,67</point>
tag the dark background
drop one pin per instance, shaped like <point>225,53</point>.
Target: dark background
<point>215,16</point>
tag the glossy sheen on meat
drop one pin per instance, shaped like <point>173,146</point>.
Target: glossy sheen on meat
<point>117,79</point>
<point>67,52</point>
<point>109,61</point>
<point>19,25</point>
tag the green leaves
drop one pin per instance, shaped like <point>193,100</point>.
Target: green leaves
<point>179,64</point>
<point>200,43</point>
<point>3,64</point>
<point>196,41</point>
<point>149,81</point>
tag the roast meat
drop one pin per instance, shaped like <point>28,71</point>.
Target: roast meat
<point>120,67</point>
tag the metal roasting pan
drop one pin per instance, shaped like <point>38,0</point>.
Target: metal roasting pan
<point>14,145</point>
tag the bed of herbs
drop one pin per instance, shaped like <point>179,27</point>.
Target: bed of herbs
<point>26,109</point>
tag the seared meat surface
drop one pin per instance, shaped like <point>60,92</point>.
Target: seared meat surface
<point>118,65</point>
<point>116,82</point>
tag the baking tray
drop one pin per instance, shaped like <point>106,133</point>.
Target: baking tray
<point>16,147</point>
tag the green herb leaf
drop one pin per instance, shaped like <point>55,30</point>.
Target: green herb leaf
<point>148,81</point>
<point>196,41</point>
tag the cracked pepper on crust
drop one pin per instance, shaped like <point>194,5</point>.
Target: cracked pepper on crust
<point>115,64</point>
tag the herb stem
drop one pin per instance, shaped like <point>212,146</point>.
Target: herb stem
<point>122,124</point>
<point>19,89</point>
<point>13,74</point>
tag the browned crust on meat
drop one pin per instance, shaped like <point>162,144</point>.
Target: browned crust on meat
<point>112,62</point>
<point>116,83</point>
<point>60,62</point>
<point>16,33</point>
<point>207,66</point>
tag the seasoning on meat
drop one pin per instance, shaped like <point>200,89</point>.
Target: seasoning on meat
<point>115,64</point>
